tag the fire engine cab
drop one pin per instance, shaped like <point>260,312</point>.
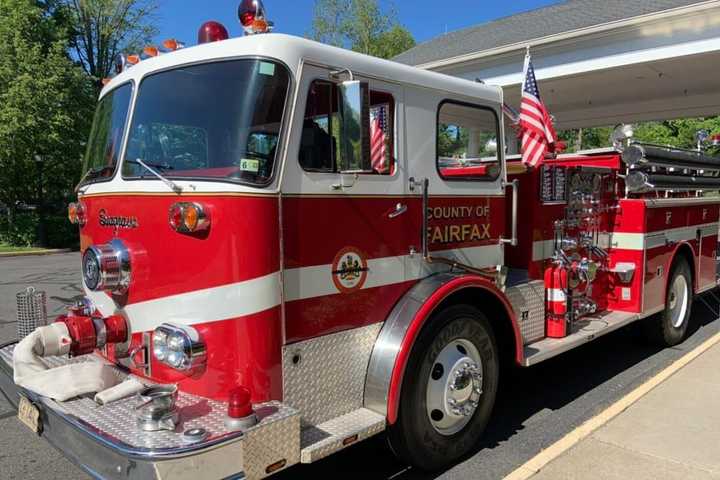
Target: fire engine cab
<point>288,248</point>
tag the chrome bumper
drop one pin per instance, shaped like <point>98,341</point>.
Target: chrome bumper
<point>275,441</point>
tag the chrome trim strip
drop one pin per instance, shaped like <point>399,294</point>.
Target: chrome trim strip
<point>387,346</point>
<point>680,202</point>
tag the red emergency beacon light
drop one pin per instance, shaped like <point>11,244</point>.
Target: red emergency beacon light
<point>252,17</point>
<point>212,31</point>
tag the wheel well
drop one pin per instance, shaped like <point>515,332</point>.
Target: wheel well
<point>489,304</point>
<point>684,251</point>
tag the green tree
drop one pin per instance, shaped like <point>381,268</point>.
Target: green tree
<point>362,26</point>
<point>678,133</point>
<point>328,24</point>
<point>46,105</point>
<point>102,29</point>
<point>392,42</point>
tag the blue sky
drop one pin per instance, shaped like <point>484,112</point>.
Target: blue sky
<point>425,18</point>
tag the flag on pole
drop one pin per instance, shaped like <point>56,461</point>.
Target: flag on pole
<point>538,134</point>
<point>378,135</point>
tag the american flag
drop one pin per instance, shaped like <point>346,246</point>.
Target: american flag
<point>378,135</point>
<point>537,128</point>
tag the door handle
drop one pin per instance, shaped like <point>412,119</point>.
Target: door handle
<point>399,210</point>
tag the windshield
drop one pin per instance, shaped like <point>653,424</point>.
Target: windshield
<point>106,135</point>
<point>216,120</point>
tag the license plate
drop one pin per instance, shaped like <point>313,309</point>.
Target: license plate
<point>29,414</point>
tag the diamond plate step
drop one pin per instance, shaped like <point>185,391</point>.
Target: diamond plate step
<point>319,441</point>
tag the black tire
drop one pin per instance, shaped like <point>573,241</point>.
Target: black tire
<point>413,438</point>
<point>659,329</point>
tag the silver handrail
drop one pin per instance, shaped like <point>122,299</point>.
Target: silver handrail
<point>425,205</point>
<point>513,240</point>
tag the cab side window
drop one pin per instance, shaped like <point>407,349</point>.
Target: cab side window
<point>320,139</point>
<point>467,142</point>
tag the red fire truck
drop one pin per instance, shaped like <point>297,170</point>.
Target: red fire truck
<point>294,247</point>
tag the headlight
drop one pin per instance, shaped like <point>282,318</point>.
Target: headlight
<point>159,342</point>
<point>107,267</point>
<point>179,346</point>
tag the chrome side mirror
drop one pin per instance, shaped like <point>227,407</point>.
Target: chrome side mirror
<point>354,105</point>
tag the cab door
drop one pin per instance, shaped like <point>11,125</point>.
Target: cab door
<point>345,236</point>
<point>455,143</point>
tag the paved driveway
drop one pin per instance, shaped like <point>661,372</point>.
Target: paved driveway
<point>536,406</point>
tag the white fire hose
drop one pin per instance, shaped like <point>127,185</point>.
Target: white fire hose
<point>68,381</point>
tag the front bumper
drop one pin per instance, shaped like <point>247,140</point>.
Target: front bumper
<point>105,442</point>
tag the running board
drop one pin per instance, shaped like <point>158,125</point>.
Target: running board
<point>319,441</point>
<point>585,330</point>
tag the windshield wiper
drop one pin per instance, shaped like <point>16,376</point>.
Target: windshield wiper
<point>172,185</point>
<point>94,171</point>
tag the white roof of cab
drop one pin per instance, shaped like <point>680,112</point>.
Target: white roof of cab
<point>293,50</point>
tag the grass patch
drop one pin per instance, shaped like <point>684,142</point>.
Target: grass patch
<point>4,248</point>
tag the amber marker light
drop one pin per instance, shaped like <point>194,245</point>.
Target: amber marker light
<point>260,25</point>
<point>76,214</point>
<point>72,213</point>
<point>151,51</point>
<point>133,59</point>
<point>186,217</point>
<point>171,45</point>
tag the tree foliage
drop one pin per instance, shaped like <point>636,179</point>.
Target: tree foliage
<point>46,105</point>
<point>678,133</point>
<point>102,29</point>
<point>362,26</point>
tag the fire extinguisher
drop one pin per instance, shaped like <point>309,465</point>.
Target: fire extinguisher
<point>557,319</point>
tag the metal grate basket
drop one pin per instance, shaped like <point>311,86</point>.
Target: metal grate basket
<point>31,311</point>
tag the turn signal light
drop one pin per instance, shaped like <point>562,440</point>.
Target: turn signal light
<point>76,214</point>
<point>186,217</point>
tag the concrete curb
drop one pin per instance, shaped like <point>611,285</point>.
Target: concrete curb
<point>34,253</point>
<point>535,464</point>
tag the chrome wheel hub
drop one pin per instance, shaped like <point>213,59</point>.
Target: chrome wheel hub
<point>454,387</point>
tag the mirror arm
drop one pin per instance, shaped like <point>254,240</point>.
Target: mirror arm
<point>336,74</point>
<point>343,186</point>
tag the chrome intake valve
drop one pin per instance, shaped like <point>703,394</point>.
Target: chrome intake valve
<point>106,268</point>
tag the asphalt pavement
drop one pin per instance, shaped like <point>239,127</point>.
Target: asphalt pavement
<point>536,406</point>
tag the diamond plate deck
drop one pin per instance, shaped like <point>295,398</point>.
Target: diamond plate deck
<point>341,432</point>
<point>528,301</point>
<point>275,437</point>
<point>324,378</point>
